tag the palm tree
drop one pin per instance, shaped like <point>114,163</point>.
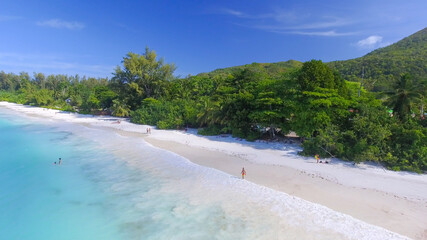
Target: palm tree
<point>404,94</point>
<point>422,88</point>
<point>210,112</point>
<point>120,109</point>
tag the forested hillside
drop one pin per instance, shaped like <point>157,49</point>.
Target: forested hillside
<point>379,68</point>
<point>383,66</point>
<point>272,69</point>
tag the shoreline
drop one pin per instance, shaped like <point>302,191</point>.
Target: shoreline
<point>394,201</point>
<point>374,207</point>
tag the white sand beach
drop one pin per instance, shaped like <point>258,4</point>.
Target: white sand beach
<point>396,201</point>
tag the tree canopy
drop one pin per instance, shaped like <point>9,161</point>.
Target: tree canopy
<point>142,76</point>
<point>333,117</point>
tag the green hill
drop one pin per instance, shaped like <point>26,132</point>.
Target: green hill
<point>382,66</point>
<point>272,69</point>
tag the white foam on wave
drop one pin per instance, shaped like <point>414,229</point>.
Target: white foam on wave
<point>286,216</point>
<point>292,211</point>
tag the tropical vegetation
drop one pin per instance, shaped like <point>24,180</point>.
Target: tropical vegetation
<point>332,116</point>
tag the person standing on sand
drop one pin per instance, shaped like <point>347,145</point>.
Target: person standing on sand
<point>243,173</point>
<point>317,157</point>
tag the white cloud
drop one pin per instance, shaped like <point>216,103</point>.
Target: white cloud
<point>290,22</point>
<point>232,12</point>
<point>336,22</point>
<point>370,42</point>
<point>58,23</point>
<point>322,33</point>
<point>313,25</point>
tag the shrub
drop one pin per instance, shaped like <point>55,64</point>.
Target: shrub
<point>209,131</point>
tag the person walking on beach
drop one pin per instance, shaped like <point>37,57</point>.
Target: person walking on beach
<point>243,173</point>
<point>317,157</point>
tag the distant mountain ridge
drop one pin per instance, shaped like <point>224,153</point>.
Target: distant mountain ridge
<point>384,65</point>
<point>380,67</point>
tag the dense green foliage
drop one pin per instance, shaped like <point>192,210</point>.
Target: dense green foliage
<point>383,66</point>
<point>143,76</point>
<point>334,117</point>
<point>70,93</point>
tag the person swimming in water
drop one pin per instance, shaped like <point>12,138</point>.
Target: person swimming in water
<point>59,161</point>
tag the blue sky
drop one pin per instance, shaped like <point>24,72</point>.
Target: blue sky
<point>92,37</point>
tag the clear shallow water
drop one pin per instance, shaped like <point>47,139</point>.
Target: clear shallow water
<point>93,194</point>
<point>135,191</point>
<point>39,200</point>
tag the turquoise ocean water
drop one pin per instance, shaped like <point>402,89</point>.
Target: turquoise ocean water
<point>94,193</point>
<point>111,186</point>
<point>40,200</point>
